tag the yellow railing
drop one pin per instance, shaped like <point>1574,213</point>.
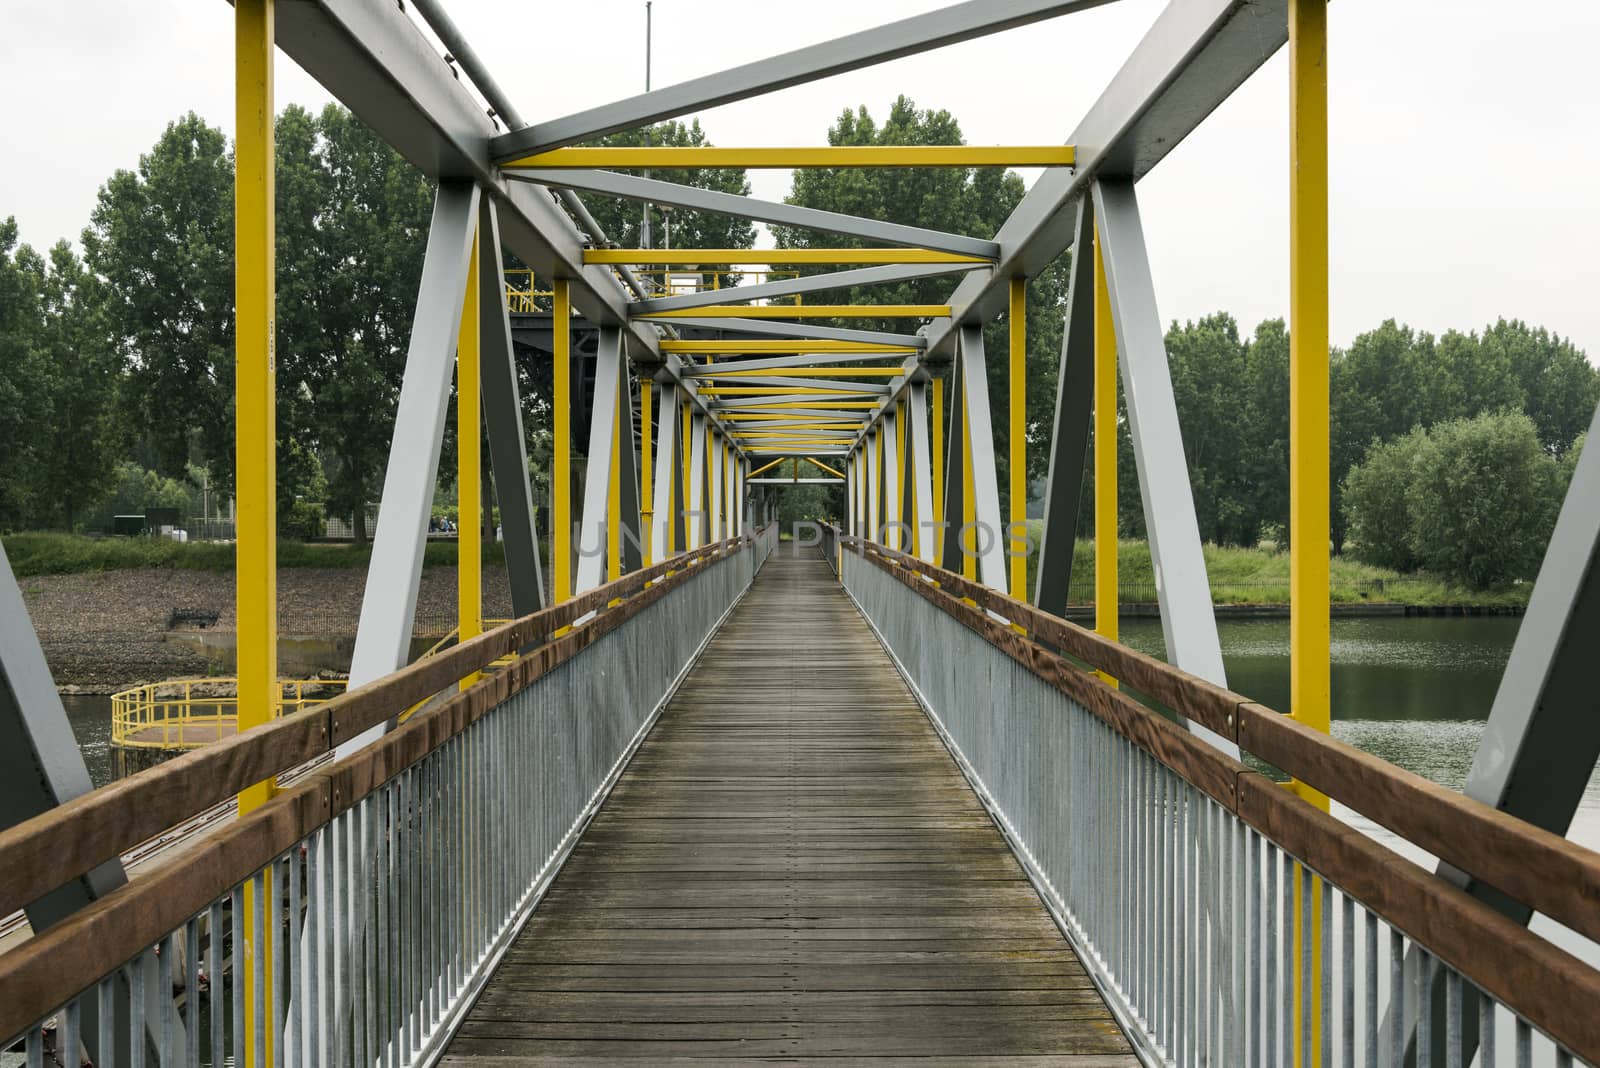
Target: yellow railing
<point>523,298</point>
<point>189,713</point>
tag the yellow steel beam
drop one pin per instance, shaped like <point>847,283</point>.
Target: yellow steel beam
<point>818,422</point>
<point>1309,695</point>
<point>820,402</point>
<point>806,311</point>
<point>561,428</point>
<point>664,157</point>
<point>825,467</point>
<point>1106,596</point>
<point>797,345</point>
<point>936,424</point>
<point>695,257</point>
<point>255,465</point>
<point>814,372</point>
<point>469,471</point>
<point>686,451</point>
<point>1017,320</point>
<point>782,391</point>
<point>767,467</point>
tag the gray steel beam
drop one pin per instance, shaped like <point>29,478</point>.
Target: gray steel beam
<point>502,414</point>
<point>780,328</point>
<point>593,531</point>
<point>772,363</point>
<point>796,452</point>
<point>1069,437</point>
<point>1188,621</point>
<point>870,389</point>
<point>893,494</point>
<point>954,483</point>
<point>632,532</point>
<point>992,569</point>
<point>714,518</point>
<point>907,37</point>
<point>768,409</point>
<point>741,403</point>
<point>610,183</point>
<point>875,484</point>
<point>1192,59</point>
<point>921,471</point>
<point>666,472</point>
<point>815,283</point>
<point>795,481</point>
<point>389,601</point>
<point>695,507</point>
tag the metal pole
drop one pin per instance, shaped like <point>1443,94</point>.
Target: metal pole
<point>647,513</point>
<point>469,483</point>
<point>1106,596</point>
<point>1308,448</point>
<point>561,463</point>
<point>1017,541</point>
<point>255,459</point>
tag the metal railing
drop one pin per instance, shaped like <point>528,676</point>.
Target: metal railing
<point>353,917</point>
<point>523,298</point>
<point>1228,921</point>
<point>188,713</point>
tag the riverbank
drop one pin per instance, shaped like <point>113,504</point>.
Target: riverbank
<point>106,630</point>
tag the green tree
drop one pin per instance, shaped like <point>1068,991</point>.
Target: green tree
<point>1266,463</point>
<point>1208,366</point>
<point>1484,499</point>
<point>1376,500</point>
<point>1558,386</point>
<point>374,229</point>
<point>22,280</point>
<point>161,240</point>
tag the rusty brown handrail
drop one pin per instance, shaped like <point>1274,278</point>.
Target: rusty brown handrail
<point>51,849</point>
<point>1552,989</point>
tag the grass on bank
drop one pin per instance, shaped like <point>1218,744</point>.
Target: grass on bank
<point>1238,576</point>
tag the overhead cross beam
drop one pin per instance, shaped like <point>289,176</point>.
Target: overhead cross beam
<point>788,287</point>
<point>629,187</point>
<point>667,157</point>
<point>907,37</point>
<point>886,344</point>
<point>767,257</point>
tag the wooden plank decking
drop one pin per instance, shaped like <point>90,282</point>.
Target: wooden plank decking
<point>792,869</point>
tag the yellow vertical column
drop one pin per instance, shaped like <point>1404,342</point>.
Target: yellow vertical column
<point>646,502</point>
<point>1017,320</point>
<point>469,470</point>
<point>255,456</point>
<point>936,426</point>
<point>561,462</point>
<point>1106,595</point>
<point>1309,689</point>
<point>969,506</point>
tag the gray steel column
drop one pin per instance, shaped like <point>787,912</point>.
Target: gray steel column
<point>502,413</point>
<point>921,472</point>
<point>985,478</point>
<point>41,767</point>
<point>632,532</point>
<point>716,527</point>
<point>1187,619</point>
<point>874,486</point>
<point>850,492</point>
<point>892,495</point>
<point>694,508</point>
<point>955,455</point>
<point>1069,437</point>
<point>666,470</point>
<point>592,533</point>
<point>389,602</point>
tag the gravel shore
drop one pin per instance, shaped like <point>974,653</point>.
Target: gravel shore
<point>104,631</point>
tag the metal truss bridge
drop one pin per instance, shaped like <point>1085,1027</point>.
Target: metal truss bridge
<point>861,797</point>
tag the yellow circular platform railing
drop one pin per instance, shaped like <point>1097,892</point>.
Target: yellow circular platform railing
<point>182,714</point>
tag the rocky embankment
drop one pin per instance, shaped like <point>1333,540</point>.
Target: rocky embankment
<point>107,630</point>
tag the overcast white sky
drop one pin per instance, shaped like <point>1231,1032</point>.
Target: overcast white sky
<point>1464,138</point>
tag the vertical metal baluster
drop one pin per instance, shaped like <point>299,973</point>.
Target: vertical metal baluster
<point>137,1032</point>
<point>406,841</point>
<point>1452,1018</point>
<point>1307,892</point>
<point>1524,1044</point>
<point>1374,1022</point>
<point>1256,962</point>
<point>164,950</point>
<point>236,975</point>
<point>34,1047</point>
<point>191,990</point>
<point>282,966</point>
<point>316,858</point>
<point>216,939</point>
<point>69,1051</point>
<point>340,928</point>
<point>356,936</point>
<point>1347,1025</point>
<point>1424,981</point>
<point>258,967</point>
<point>1563,1058</point>
<point>392,876</point>
<point>1397,997</point>
<point>1486,1051</point>
<point>106,1012</point>
<point>292,1032</point>
<point>1326,978</point>
<point>1290,870</point>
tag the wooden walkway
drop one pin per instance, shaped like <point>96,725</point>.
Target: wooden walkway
<point>792,870</point>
